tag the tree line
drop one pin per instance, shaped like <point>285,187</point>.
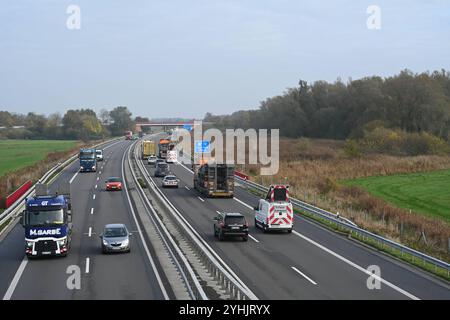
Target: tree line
<point>76,124</point>
<point>409,102</point>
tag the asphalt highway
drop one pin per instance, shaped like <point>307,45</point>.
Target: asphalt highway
<point>310,263</point>
<point>113,276</point>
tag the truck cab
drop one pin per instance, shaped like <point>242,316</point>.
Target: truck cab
<point>88,160</point>
<point>47,221</point>
<point>275,211</point>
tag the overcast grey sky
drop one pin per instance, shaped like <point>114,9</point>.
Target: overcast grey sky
<point>165,58</point>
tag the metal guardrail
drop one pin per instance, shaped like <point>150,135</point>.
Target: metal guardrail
<point>189,277</point>
<point>14,209</point>
<point>220,271</point>
<point>346,224</point>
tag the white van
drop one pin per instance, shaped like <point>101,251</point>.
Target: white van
<point>99,155</point>
<point>275,212</point>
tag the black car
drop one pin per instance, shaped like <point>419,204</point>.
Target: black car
<point>230,224</point>
<point>162,169</point>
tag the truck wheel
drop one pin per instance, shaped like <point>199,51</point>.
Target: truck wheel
<point>256,224</point>
<point>265,228</point>
<point>220,236</point>
<point>289,231</point>
<point>245,238</point>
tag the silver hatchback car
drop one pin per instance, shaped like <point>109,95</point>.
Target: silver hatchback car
<point>115,238</point>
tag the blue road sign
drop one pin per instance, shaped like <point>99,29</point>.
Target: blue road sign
<point>202,146</point>
<point>188,127</point>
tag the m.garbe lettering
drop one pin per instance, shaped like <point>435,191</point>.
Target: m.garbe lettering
<point>39,232</point>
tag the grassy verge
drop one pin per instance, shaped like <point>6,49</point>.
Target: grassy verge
<point>18,154</point>
<point>440,272</point>
<point>425,192</point>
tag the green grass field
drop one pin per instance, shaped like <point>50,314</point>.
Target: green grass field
<point>18,154</point>
<point>426,192</point>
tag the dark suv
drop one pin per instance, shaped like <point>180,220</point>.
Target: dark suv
<point>230,224</point>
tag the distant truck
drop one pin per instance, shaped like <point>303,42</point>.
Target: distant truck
<point>88,160</point>
<point>128,135</point>
<point>275,211</point>
<point>148,149</point>
<point>47,220</point>
<point>214,180</point>
<point>163,146</point>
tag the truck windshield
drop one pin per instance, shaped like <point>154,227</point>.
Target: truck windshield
<point>45,217</point>
<point>87,155</point>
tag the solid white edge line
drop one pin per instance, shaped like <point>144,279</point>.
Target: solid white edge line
<point>74,176</point>
<point>112,145</point>
<point>87,265</point>
<point>23,264</point>
<point>147,251</point>
<point>304,276</point>
<point>15,280</point>
<point>243,203</point>
<point>253,238</point>
<point>389,284</point>
<point>205,243</point>
<point>336,255</point>
<point>187,188</point>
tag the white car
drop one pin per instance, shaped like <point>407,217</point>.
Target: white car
<point>151,160</point>
<point>99,155</point>
<point>170,181</point>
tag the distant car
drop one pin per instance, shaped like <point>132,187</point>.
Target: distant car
<point>115,238</point>
<point>162,169</point>
<point>151,160</point>
<point>113,184</point>
<point>230,225</point>
<point>99,155</point>
<point>170,181</point>
<point>159,160</point>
